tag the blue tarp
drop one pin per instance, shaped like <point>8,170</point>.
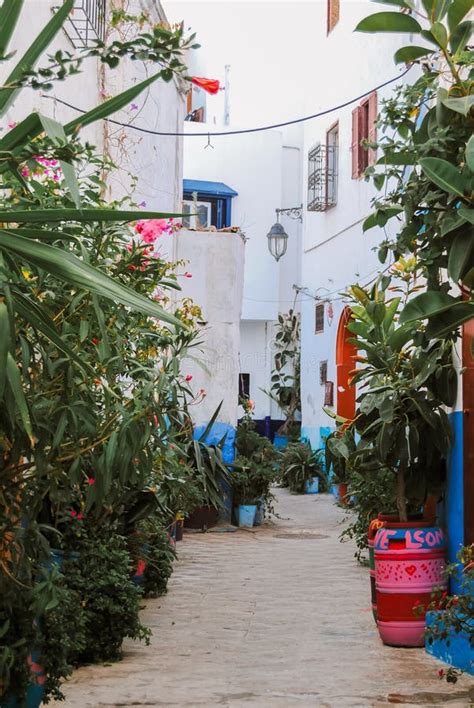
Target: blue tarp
<point>216,189</point>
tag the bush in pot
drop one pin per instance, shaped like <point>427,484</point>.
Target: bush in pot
<point>299,464</point>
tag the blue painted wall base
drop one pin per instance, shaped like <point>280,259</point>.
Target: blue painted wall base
<point>214,437</point>
<point>456,649</point>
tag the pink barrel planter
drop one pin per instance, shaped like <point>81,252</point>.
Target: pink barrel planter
<point>409,565</point>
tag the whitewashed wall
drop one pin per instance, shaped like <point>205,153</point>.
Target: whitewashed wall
<point>335,251</point>
<point>155,161</point>
<point>216,261</point>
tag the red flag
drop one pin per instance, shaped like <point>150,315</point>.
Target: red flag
<point>209,85</point>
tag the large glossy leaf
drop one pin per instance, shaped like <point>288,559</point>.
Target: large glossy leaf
<point>389,22</point>
<point>444,175</point>
<point>439,32</point>
<point>461,254</point>
<point>70,269</point>
<point>436,9</point>
<point>111,106</point>
<point>461,36</point>
<point>405,55</point>
<point>461,105</point>
<point>426,305</point>
<point>45,216</point>
<point>33,53</point>
<point>447,322</point>
<point>397,158</point>
<point>470,153</point>
<point>467,214</point>
<point>9,13</point>
<point>457,11</point>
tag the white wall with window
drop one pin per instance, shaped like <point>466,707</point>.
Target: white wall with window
<point>335,251</point>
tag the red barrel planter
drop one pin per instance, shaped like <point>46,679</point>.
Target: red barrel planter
<point>374,526</point>
<point>409,565</point>
<point>342,491</point>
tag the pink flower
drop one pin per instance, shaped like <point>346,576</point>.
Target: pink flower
<point>151,229</point>
<point>12,125</point>
<point>90,481</point>
<point>25,172</point>
<point>188,377</point>
<point>80,517</point>
<point>188,275</point>
<point>440,673</point>
<point>73,513</point>
<point>142,204</point>
<point>134,106</point>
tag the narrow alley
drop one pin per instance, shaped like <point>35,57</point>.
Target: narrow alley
<point>276,616</point>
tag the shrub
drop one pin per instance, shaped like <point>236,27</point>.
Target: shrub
<point>299,463</point>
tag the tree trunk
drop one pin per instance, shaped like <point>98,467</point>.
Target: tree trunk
<point>401,499</point>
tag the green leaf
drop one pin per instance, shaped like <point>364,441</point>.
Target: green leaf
<point>56,132</point>
<point>470,153</point>
<point>401,336</point>
<point>405,55</point>
<point>111,106</point>
<point>388,22</point>
<point>461,105</point>
<point>30,216</point>
<point>15,383</point>
<point>446,323</point>
<point>460,255</point>
<point>461,36</point>
<point>398,3</point>
<point>467,214</point>
<point>33,53</point>
<point>397,158</point>
<point>338,447</point>
<point>426,305</point>
<point>457,11</point>
<point>444,175</point>
<point>9,13</point>
<point>436,9</point>
<point>4,344</point>
<point>70,269</point>
<point>439,32</point>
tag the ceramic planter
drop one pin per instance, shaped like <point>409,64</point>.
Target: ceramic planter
<point>409,565</point>
<point>311,486</point>
<point>247,513</point>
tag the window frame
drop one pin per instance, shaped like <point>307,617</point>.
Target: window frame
<point>319,314</point>
<point>330,203</point>
<point>364,128</point>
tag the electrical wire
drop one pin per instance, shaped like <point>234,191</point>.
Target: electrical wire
<point>242,131</point>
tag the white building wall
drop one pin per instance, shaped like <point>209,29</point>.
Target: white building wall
<point>336,253</point>
<point>155,161</point>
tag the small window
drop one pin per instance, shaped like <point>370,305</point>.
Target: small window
<point>319,318</point>
<point>323,372</point>
<point>332,14</point>
<point>244,386</point>
<point>322,172</point>
<point>329,393</point>
<point>364,129</point>
<point>86,23</point>
<point>332,150</point>
<point>201,214</point>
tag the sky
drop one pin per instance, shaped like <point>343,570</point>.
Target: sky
<point>266,43</point>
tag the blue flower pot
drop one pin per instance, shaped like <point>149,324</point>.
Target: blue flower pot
<point>260,514</point>
<point>247,513</point>
<point>335,490</point>
<point>280,441</point>
<point>311,486</point>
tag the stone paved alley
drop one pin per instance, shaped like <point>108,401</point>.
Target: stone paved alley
<point>278,616</point>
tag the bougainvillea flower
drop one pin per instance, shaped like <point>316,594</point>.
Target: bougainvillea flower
<point>12,125</point>
<point>188,275</point>
<point>151,229</point>
<point>73,513</point>
<point>188,377</point>
<point>134,106</point>
<point>90,481</point>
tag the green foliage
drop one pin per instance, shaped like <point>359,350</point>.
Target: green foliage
<point>370,495</point>
<point>109,601</point>
<point>254,470</point>
<point>153,545</point>
<point>285,388</point>
<point>299,464</point>
<point>428,126</point>
<point>400,422</point>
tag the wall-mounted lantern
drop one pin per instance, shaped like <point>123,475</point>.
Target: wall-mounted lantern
<point>277,236</point>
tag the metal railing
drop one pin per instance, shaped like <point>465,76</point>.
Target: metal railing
<point>86,23</point>
<point>322,177</point>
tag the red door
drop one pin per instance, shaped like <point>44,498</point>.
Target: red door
<point>345,353</point>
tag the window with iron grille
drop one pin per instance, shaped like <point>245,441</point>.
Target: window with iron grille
<point>323,372</point>
<point>319,318</point>
<point>86,22</point>
<point>322,174</point>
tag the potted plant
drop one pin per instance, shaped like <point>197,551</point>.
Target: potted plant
<point>301,469</point>
<point>402,427</point>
